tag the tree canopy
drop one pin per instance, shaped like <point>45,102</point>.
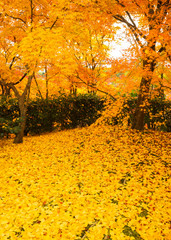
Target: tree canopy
<point>69,41</point>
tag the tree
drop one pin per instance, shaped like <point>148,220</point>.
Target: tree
<point>70,37</point>
<point>148,22</point>
<point>20,51</point>
<point>89,40</point>
<point>31,32</point>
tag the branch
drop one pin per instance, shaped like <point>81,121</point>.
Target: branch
<point>139,7</point>
<point>14,90</point>
<point>12,63</point>
<point>38,87</point>
<point>120,3</point>
<point>132,29</point>
<point>166,87</point>
<point>31,8</point>
<point>132,26</point>
<point>163,49</point>
<point>97,89</point>
<point>17,18</point>
<point>25,74</point>
<point>27,87</point>
<point>129,15</point>
<point>54,23</point>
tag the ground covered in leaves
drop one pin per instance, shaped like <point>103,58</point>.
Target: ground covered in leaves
<point>92,183</point>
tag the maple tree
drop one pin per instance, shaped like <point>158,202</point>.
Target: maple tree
<point>27,39</point>
<point>151,35</point>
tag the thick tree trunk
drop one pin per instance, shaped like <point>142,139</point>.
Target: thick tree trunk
<point>23,102</point>
<point>138,121</point>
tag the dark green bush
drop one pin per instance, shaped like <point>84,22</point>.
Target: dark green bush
<point>158,113</point>
<point>9,117</point>
<point>72,111</point>
<point>39,117</point>
<point>64,111</point>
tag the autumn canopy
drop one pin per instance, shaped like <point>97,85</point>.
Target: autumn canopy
<point>69,41</point>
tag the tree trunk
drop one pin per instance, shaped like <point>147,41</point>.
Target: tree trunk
<point>47,83</point>
<point>5,90</point>
<point>23,111</point>
<point>138,121</point>
<point>23,102</point>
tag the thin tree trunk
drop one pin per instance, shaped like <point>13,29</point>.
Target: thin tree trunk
<point>47,83</point>
<point>38,87</point>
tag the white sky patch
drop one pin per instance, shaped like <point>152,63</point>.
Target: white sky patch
<point>120,44</point>
<point>122,41</point>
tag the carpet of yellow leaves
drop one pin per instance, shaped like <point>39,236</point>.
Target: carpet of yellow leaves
<point>92,183</point>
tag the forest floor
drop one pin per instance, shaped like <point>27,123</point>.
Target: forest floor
<point>98,182</point>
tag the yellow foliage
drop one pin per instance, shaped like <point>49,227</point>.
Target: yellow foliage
<point>86,183</point>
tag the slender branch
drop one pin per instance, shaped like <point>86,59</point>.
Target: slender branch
<point>54,23</point>
<point>25,74</point>
<point>16,18</point>
<point>92,86</point>
<point>122,19</point>
<point>130,17</point>
<point>12,63</point>
<point>121,4</point>
<point>31,7</point>
<point>166,87</point>
<point>132,26</point>
<point>163,49</point>
<point>38,87</point>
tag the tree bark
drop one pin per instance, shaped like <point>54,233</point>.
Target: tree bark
<point>47,83</point>
<point>23,111</point>
<point>23,102</point>
<point>5,90</point>
<point>143,96</point>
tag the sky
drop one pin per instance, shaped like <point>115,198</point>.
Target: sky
<point>121,42</point>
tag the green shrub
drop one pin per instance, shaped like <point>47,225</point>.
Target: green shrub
<point>64,111</point>
<point>9,117</point>
<point>68,111</point>
<point>158,114</point>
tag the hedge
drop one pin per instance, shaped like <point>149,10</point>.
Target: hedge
<point>64,111</point>
<point>67,112</point>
